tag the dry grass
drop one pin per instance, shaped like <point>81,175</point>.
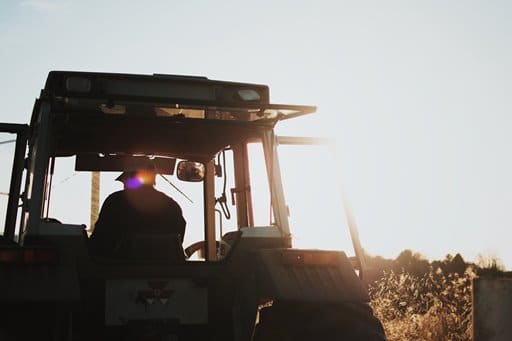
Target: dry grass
<point>431,307</point>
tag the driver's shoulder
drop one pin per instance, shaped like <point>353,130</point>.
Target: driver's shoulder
<point>167,198</point>
<point>116,195</point>
<point>115,198</point>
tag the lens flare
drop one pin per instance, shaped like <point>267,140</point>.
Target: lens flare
<point>134,183</point>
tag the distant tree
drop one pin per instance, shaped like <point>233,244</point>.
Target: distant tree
<point>457,265</point>
<point>376,266</point>
<point>413,263</point>
<point>416,264</point>
<point>378,262</point>
<point>451,264</point>
<point>405,257</point>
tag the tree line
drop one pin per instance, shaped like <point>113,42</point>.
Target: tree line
<point>416,264</point>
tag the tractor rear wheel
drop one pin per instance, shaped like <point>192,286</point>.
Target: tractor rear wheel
<point>313,321</point>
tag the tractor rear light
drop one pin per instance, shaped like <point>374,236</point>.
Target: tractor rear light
<point>10,256</point>
<point>40,256</point>
<point>27,256</point>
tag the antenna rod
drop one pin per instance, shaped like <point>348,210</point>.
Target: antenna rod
<point>176,188</point>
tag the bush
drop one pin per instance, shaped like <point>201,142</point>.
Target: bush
<point>433,306</point>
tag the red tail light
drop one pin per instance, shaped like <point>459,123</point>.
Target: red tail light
<point>10,256</point>
<point>27,256</point>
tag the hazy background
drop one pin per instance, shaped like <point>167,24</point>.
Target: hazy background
<point>416,93</point>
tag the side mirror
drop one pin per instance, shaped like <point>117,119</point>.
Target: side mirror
<point>190,171</point>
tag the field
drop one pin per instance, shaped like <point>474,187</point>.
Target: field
<point>420,300</point>
<point>429,307</point>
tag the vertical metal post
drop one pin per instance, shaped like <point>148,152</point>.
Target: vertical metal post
<point>247,188</point>
<point>209,212</point>
<point>356,243</point>
<point>243,193</point>
<point>276,186</point>
<point>95,199</point>
<point>37,173</point>
<point>16,177</point>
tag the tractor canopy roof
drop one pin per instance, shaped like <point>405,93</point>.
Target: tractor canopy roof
<point>181,116</point>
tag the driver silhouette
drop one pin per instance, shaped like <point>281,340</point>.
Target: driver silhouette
<point>137,209</point>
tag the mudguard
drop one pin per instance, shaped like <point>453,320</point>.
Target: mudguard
<point>56,282</point>
<point>308,276</point>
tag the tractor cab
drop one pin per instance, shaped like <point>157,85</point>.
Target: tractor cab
<point>213,147</point>
<point>112,123</point>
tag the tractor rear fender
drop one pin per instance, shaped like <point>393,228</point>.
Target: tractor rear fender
<point>307,276</point>
<point>44,269</point>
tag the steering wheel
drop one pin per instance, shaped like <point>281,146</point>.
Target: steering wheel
<point>221,246</point>
<point>52,220</point>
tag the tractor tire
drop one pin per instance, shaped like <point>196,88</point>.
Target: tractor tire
<point>314,321</point>
<point>6,336</point>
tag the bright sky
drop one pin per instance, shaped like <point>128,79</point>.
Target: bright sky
<point>416,93</point>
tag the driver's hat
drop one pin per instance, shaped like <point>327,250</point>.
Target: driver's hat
<point>126,175</point>
<point>145,174</point>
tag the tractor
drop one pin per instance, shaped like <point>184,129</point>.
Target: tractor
<point>239,275</point>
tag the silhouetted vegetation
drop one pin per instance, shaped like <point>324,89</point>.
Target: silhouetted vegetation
<point>415,264</point>
<point>420,300</point>
<point>433,306</point>
<point>490,266</point>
